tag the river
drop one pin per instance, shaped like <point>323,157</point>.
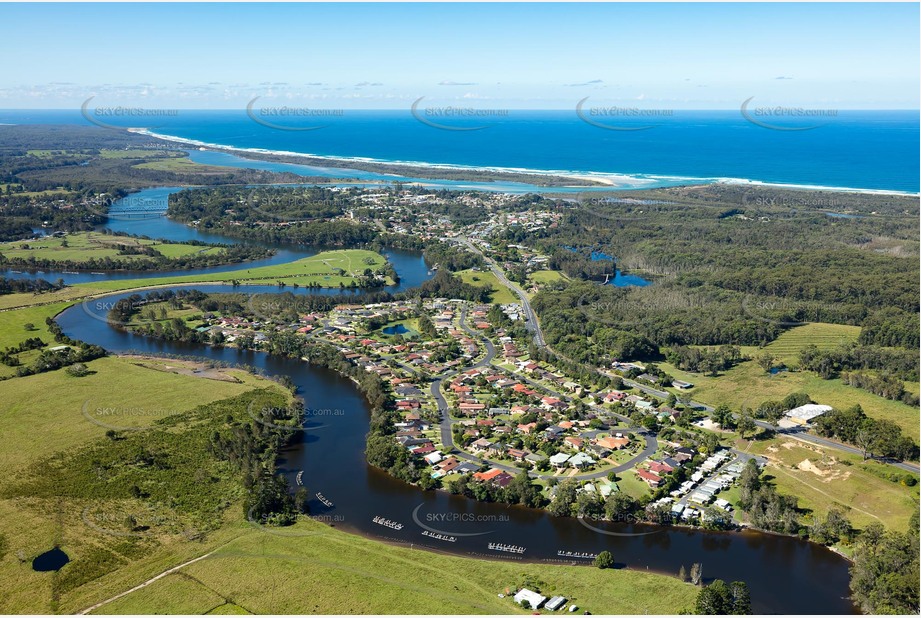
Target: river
<point>785,575</point>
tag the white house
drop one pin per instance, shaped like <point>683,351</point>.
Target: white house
<point>807,413</point>
<point>534,599</point>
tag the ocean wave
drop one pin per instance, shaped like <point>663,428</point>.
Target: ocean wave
<point>616,180</point>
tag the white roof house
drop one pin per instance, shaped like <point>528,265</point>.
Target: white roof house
<point>534,599</point>
<point>579,460</point>
<point>805,414</point>
<point>559,459</point>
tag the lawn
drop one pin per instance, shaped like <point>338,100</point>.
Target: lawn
<point>546,276</point>
<point>632,485</point>
<point>106,153</point>
<point>43,418</point>
<point>824,336</point>
<point>749,385</point>
<point>83,246</point>
<point>179,164</point>
<point>12,329</point>
<point>330,572</point>
<point>326,269</point>
<point>337,573</point>
<point>823,478</point>
<point>410,324</point>
<point>501,295</point>
<point>44,413</point>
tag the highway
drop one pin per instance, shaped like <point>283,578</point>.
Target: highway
<point>531,318</point>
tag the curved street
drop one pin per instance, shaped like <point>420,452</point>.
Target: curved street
<point>534,326</point>
<point>446,423</point>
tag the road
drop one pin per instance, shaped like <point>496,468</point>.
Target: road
<point>534,326</point>
<point>796,433</point>
<point>447,435</point>
<point>531,318</point>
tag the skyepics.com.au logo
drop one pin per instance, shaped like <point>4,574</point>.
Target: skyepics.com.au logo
<point>128,208</point>
<point>452,525</point>
<point>784,118</point>
<point>131,521</point>
<point>805,202</point>
<point>291,205</point>
<point>782,310</point>
<point>121,417</point>
<point>456,118</point>
<point>627,309</point>
<point>621,118</point>
<point>280,308</point>
<point>122,311</point>
<point>295,417</point>
<point>284,117</point>
<point>283,526</point>
<point>630,519</point>
<point>129,116</point>
<point>618,209</point>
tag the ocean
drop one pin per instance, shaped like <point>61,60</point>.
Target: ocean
<point>869,150</point>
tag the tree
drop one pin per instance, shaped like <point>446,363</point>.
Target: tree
<point>765,361</point>
<point>78,370</point>
<point>605,560</point>
<point>709,442</point>
<point>563,499</point>
<point>719,599</point>
<point>683,574</point>
<point>713,600</point>
<point>723,417</point>
<point>741,601</point>
<point>619,506</point>
<point>28,326</point>
<point>884,576</point>
<point>696,573</point>
<point>746,424</point>
<point>302,500</point>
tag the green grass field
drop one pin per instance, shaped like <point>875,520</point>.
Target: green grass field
<point>44,413</point>
<point>12,329</point>
<point>319,269</point>
<point>546,276</point>
<point>134,154</point>
<point>43,416</point>
<point>824,336</point>
<point>823,478</point>
<point>501,295</point>
<point>179,164</point>
<point>747,384</point>
<point>334,572</point>
<point>89,245</point>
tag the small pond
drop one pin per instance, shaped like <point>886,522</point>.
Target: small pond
<point>51,560</point>
<point>396,329</point>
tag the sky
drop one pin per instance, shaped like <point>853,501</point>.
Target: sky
<point>483,56</point>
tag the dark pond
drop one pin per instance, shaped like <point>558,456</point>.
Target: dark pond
<point>51,560</point>
<point>398,329</point>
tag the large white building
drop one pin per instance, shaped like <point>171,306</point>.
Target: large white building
<point>805,414</point>
<point>534,599</point>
